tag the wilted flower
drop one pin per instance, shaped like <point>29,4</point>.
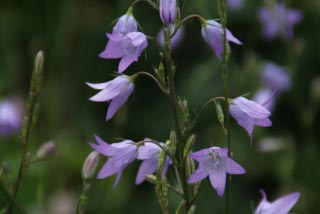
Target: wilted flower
<point>281,206</point>
<point>10,117</point>
<point>212,34</point>
<point>149,153</point>
<point>215,163</point>
<point>120,155</point>
<point>249,114</point>
<point>168,11</point>
<point>235,4</point>
<point>46,150</point>
<point>275,77</point>
<point>278,20</point>
<point>117,91</point>
<point>128,47</point>
<point>90,165</point>
<point>175,40</point>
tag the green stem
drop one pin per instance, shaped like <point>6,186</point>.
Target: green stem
<point>174,107</point>
<point>225,77</point>
<point>28,121</point>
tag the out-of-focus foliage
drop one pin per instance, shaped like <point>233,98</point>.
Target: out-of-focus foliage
<point>72,34</point>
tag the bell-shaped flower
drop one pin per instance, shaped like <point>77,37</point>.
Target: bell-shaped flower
<point>215,163</point>
<point>212,33</point>
<point>175,40</point>
<point>168,11</point>
<point>249,114</point>
<point>149,153</point>
<point>275,77</point>
<point>127,47</point>
<point>10,117</point>
<point>120,155</point>
<point>278,20</point>
<point>117,91</point>
<point>281,206</point>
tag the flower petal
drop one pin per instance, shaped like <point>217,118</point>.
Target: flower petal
<point>250,107</point>
<point>218,178</point>
<point>107,170</point>
<point>242,118</point>
<point>233,167</point>
<point>147,167</point>
<point>197,175</point>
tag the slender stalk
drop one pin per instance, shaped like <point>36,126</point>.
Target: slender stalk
<point>28,121</point>
<point>174,107</point>
<point>225,77</point>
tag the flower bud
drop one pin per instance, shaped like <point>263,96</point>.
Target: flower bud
<point>90,165</point>
<point>46,150</point>
<point>38,61</point>
<point>168,11</point>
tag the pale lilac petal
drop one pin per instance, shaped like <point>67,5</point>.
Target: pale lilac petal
<point>218,178</point>
<point>197,175</point>
<point>266,98</point>
<point>233,167</point>
<point>118,101</point>
<point>231,38</point>
<point>148,150</point>
<point>242,118</point>
<point>126,61</point>
<point>125,24</point>
<point>119,174</point>
<point>168,11</point>
<point>147,167</point>
<point>115,47</point>
<point>265,122</point>
<point>107,170</point>
<point>99,86</point>
<point>125,156</point>
<point>250,107</point>
<point>284,204</point>
<point>200,155</point>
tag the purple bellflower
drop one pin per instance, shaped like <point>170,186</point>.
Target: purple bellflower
<point>149,153</point>
<point>275,77</point>
<point>278,20</point>
<point>120,155</point>
<point>215,163</point>
<point>281,206</point>
<point>10,117</point>
<point>175,40</point>
<point>212,34</point>
<point>125,24</point>
<point>249,113</point>
<point>127,47</point>
<point>168,11</point>
<point>117,91</point>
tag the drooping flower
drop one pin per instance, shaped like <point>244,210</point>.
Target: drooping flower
<point>278,20</point>
<point>215,163</point>
<point>175,40</point>
<point>128,47</point>
<point>281,206</point>
<point>117,91</point>
<point>275,77</point>
<point>149,153</point>
<point>10,117</point>
<point>235,5</point>
<point>168,11</point>
<point>212,34</point>
<point>249,114</point>
<point>120,155</point>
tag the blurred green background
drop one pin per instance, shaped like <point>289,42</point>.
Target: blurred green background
<point>72,34</point>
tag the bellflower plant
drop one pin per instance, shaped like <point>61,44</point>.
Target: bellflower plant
<point>281,206</point>
<point>212,34</point>
<point>249,114</point>
<point>215,163</point>
<point>278,20</point>
<point>127,47</point>
<point>168,11</point>
<point>117,91</point>
<point>120,155</point>
<point>149,153</point>
<point>275,77</point>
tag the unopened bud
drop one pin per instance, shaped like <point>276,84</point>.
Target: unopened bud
<point>46,150</point>
<point>220,115</point>
<point>173,142</point>
<point>191,140</point>
<point>90,165</point>
<point>151,178</point>
<point>38,62</point>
